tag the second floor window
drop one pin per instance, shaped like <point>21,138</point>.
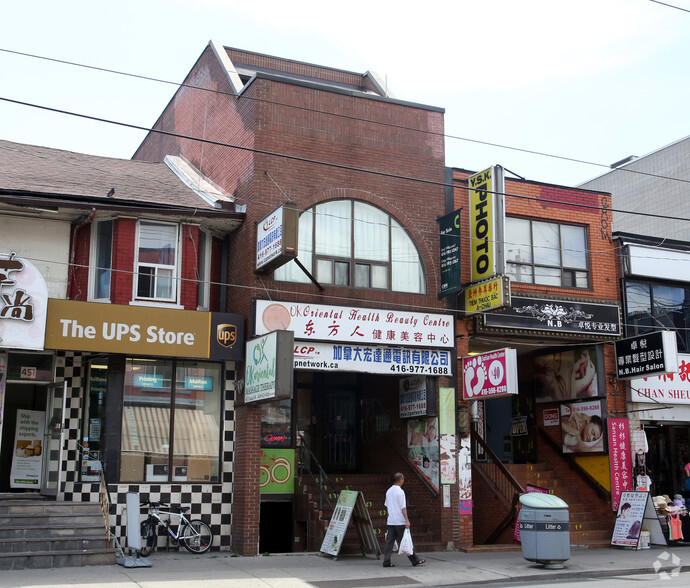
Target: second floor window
<point>102,250</point>
<point>352,243</point>
<point>548,253</point>
<point>156,261</point>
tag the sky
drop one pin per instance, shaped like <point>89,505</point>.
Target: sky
<point>554,91</point>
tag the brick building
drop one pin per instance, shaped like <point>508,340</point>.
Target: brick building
<point>555,246</point>
<point>366,173</point>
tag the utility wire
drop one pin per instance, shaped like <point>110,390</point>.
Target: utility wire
<point>348,117</point>
<point>670,5</point>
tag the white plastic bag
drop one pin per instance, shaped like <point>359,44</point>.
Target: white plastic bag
<point>406,547</point>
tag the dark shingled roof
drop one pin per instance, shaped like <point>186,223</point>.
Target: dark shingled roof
<point>28,169</point>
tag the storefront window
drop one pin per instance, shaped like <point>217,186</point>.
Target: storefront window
<point>163,445</point>
<point>91,449</point>
<point>276,424</point>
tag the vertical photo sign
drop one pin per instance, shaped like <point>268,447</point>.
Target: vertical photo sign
<point>487,219</point>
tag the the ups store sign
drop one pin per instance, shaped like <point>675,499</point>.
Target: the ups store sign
<point>143,330</point>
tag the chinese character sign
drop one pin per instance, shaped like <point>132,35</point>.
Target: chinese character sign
<point>619,457</point>
<point>23,304</point>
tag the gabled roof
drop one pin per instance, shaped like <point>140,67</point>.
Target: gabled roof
<point>32,175</point>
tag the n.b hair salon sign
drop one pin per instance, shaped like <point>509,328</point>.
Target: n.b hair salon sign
<point>540,316</point>
<point>23,304</point>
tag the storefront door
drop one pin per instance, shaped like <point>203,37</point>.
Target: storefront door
<point>54,439</point>
<point>19,398</point>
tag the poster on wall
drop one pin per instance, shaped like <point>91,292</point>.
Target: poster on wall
<point>569,375</point>
<point>413,400</point>
<point>277,471</point>
<point>465,476</point>
<point>423,449</point>
<point>490,375</point>
<point>27,460</point>
<point>582,427</point>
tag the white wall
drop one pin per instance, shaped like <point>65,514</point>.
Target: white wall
<point>44,243</point>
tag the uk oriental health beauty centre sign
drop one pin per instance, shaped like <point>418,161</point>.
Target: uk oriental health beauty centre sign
<point>348,338</point>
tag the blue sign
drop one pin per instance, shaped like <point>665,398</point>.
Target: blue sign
<point>148,381</point>
<point>198,382</point>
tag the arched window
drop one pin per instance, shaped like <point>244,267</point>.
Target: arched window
<point>352,243</point>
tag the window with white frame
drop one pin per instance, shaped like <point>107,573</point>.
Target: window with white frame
<point>352,243</point>
<point>156,261</point>
<point>102,256</point>
<point>548,253</point>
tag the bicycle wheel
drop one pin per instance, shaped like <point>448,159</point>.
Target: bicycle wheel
<point>148,538</point>
<point>197,537</point>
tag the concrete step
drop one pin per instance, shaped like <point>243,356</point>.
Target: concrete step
<point>26,560</point>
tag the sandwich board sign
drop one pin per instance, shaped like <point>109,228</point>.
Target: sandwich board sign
<point>350,506</point>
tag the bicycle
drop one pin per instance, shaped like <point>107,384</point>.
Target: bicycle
<point>195,536</point>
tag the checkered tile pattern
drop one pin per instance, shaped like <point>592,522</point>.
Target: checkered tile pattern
<point>211,503</point>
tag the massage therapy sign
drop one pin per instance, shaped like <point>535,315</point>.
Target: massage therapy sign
<point>490,375</point>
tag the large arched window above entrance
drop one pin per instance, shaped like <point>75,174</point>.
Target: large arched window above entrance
<point>352,243</point>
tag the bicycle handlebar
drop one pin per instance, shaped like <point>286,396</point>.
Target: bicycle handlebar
<point>154,504</point>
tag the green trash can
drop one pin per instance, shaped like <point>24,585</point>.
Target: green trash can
<point>544,529</point>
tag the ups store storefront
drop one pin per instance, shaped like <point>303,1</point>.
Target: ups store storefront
<point>148,402</point>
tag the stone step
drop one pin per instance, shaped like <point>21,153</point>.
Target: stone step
<point>53,544</point>
<point>27,560</point>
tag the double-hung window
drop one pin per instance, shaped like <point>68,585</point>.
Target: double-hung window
<point>548,253</point>
<point>156,261</point>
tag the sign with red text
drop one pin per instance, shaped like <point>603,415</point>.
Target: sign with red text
<point>552,417</point>
<point>664,389</point>
<point>490,375</point>
<point>350,324</point>
<point>620,459</point>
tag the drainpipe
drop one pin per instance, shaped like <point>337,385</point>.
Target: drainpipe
<point>77,224</point>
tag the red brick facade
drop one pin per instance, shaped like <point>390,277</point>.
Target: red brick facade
<point>300,142</point>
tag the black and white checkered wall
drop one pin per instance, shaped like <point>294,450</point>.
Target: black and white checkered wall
<point>211,503</point>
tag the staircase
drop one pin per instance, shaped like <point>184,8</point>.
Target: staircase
<point>37,533</point>
<point>317,513</point>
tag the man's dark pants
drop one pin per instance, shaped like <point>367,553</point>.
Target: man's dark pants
<point>395,533</point>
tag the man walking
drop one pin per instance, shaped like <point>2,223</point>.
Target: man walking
<point>397,521</point>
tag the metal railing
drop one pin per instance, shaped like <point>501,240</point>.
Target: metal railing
<point>494,472</point>
<point>306,458</point>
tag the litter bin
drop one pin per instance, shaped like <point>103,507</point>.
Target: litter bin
<point>544,529</point>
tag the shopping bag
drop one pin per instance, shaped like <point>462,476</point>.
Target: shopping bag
<point>406,547</point>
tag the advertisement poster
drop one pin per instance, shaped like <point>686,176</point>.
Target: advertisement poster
<point>423,449</point>
<point>568,375</point>
<point>582,427</point>
<point>629,519</point>
<point>448,438</point>
<point>619,457</point>
<point>413,397</point>
<point>277,471</point>
<point>465,469</point>
<point>27,457</point>
<point>339,522</point>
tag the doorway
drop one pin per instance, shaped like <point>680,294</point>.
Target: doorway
<point>24,396</point>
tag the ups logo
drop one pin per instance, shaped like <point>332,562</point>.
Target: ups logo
<point>226,335</point>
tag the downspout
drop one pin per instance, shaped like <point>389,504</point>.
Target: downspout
<point>77,224</point>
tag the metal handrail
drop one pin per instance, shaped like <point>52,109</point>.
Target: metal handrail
<point>322,476</point>
<point>504,481</point>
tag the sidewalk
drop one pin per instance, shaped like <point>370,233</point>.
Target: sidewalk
<point>215,570</point>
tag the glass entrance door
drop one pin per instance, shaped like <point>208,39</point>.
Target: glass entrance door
<point>54,439</point>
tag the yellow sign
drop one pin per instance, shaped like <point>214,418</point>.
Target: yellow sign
<point>488,295</point>
<point>132,330</point>
<point>486,223</point>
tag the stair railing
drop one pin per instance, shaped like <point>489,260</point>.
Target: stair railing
<point>495,473</point>
<point>321,478</point>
